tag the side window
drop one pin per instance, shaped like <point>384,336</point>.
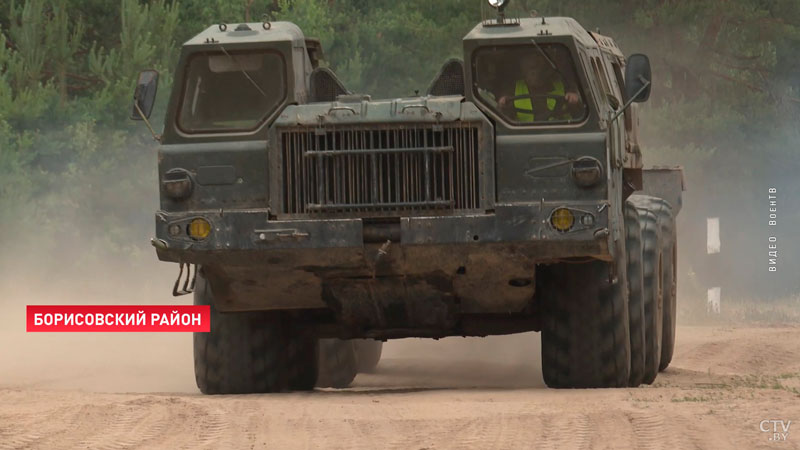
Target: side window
<point>620,81</point>
<point>616,87</point>
<point>601,74</point>
<point>593,77</point>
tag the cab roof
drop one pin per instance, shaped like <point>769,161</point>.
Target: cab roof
<point>533,27</point>
<point>277,32</point>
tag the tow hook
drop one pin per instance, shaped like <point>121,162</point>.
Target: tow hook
<point>382,251</point>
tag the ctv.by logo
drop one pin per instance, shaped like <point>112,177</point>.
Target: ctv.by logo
<point>778,428</point>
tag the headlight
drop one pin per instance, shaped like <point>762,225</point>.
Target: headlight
<point>199,229</point>
<point>497,3</point>
<point>587,171</point>
<point>562,219</point>
<point>177,184</point>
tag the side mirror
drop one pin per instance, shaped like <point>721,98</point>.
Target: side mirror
<point>144,97</point>
<point>638,78</point>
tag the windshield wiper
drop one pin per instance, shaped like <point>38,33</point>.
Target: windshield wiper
<point>547,57</point>
<point>241,69</point>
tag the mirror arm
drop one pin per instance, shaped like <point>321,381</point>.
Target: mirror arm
<point>146,122</point>
<point>629,102</point>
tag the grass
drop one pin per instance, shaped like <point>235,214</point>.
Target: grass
<point>688,398</point>
<point>774,382</point>
<point>712,392</point>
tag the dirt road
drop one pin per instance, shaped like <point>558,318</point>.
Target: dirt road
<point>451,394</point>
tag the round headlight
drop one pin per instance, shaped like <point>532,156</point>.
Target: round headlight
<point>562,219</point>
<point>587,172</point>
<point>177,184</point>
<point>497,3</point>
<point>199,229</point>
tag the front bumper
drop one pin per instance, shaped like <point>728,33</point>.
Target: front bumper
<point>434,267</point>
<point>248,236</point>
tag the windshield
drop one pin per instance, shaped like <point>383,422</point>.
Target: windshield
<point>231,91</point>
<point>529,84</point>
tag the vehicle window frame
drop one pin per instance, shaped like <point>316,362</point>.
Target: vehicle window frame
<point>599,69</point>
<point>267,112</point>
<point>508,120</point>
<point>594,82</point>
<point>617,69</point>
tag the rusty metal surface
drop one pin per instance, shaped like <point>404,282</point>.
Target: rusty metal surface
<point>251,230</point>
<point>254,230</point>
<point>493,278</point>
<point>439,268</point>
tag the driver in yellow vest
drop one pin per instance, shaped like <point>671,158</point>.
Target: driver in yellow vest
<point>546,86</point>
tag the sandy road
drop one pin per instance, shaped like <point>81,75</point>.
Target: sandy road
<point>451,394</point>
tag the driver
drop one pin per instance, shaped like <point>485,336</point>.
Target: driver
<point>542,93</point>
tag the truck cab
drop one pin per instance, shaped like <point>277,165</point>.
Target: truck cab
<point>323,216</point>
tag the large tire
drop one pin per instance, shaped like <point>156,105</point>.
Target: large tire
<point>585,328</point>
<point>337,363</point>
<point>633,246</point>
<point>669,250</point>
<point>250,352</point>
<point>652,262</point>
<point>368,354</point>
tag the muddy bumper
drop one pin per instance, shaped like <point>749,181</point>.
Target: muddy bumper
<point>431,268</point>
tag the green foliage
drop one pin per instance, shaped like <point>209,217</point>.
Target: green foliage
<point>386,49</point>
<point>146,40</point>
<point>67,153</point>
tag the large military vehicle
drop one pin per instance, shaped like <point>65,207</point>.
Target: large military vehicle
<point>511,197</point>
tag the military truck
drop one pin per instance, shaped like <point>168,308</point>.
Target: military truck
<point>318,223</point>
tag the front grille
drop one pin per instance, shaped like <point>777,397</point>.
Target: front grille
<point>380,171</point>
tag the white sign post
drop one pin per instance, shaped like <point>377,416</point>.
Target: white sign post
<point>713,247</point>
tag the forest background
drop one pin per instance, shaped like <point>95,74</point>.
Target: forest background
<point>78,183</point>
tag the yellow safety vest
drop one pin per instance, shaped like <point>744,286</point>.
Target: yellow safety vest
<point>526,105</point>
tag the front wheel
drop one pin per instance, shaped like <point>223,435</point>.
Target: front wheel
<point>338,365</point>
<point>585,331</point>
<point>250,352</point>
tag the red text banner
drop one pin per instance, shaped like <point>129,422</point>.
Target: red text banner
<point>118,318</point>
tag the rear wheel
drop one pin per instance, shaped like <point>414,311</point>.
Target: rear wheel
<point>669,250</point>
<point>585,329</point>
<point>337,363</point>
<point>368,354</point>
<point>633,246</point>
<point>652,263</point>
<point>250,352</point>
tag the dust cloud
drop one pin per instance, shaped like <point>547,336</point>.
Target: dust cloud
<point>97,362</point>
<point>162,362</point>
<point>71,273</point>
<point>498,362</point>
